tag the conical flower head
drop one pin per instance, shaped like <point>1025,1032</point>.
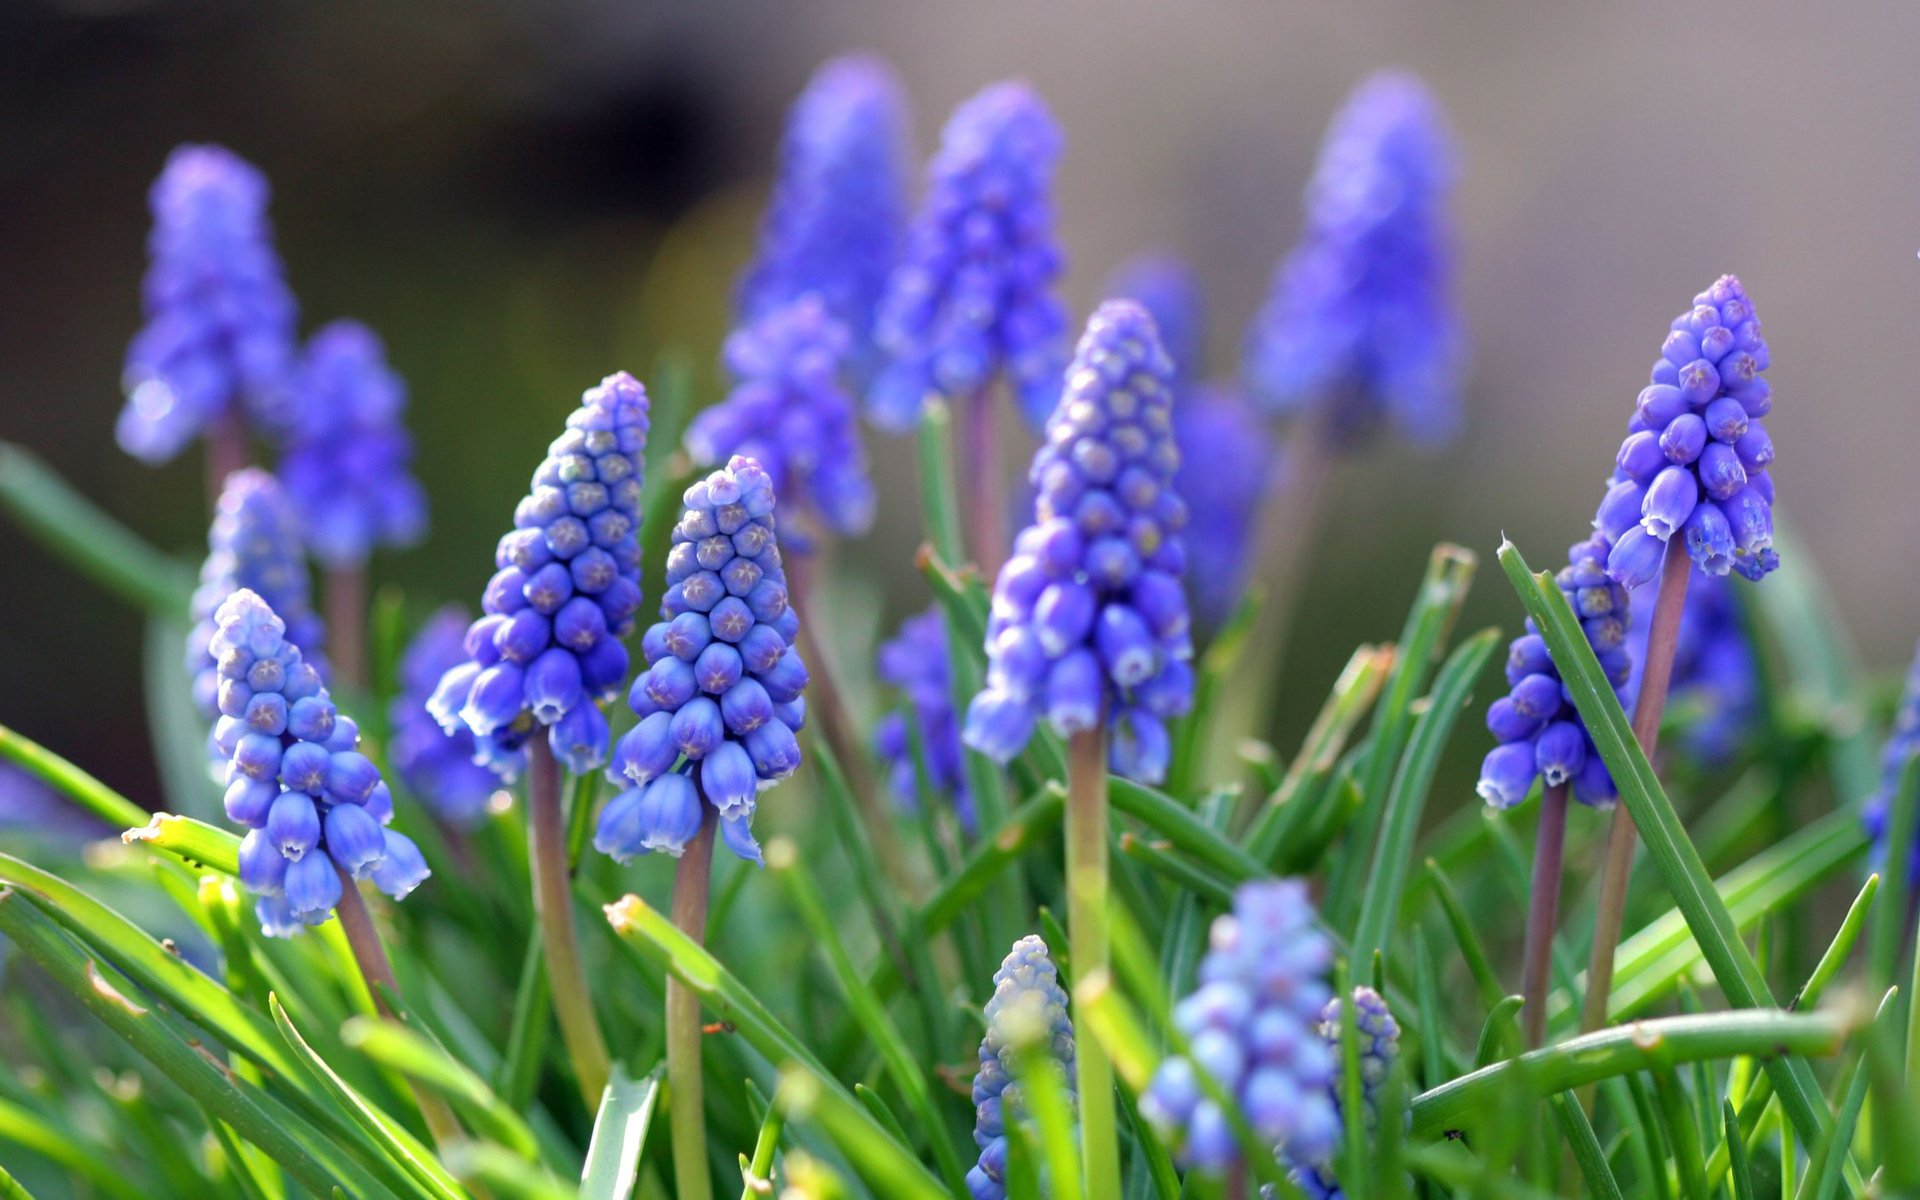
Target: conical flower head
<point>1028,1009</point>
<point>219,333</point>
<point>915,661</point>
<point>1903,743</point>
<point>790,412</point>
<point>437,766</point>
<point>315,808</point>
<point>722,696</point>
<point>567,585</point>
<point>836,219</point>
<point>348,457</point>
<point>1540,732</point>
<point>1165,285</point>
<point>1089,620</point>
<point>1252,1026</point>
<point>1361,322</point>
<point>1715,677</point>
<point>254,543</point>
<point>1695,462</point>
<point>1378,1035</point>
<point>973,297</point>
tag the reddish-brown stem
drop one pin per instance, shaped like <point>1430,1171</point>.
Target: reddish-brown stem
<point>346,611</point>
<point>1543,913</point>
<point>226,453</point>
<point>692,884</point>
<point>553,908</point>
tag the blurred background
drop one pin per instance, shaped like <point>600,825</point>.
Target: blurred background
<point>523,197</point>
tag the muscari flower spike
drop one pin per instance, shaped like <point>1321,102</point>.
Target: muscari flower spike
<point>1252,1025</point>
<point>219,333</point>
<point>309,800</point>
<point>1089,620</point>
<point>1696,455</point>
<point>973,296</point>
<point>836,219</point>
<point>1903,743</point>
<point>548,649</point>
<point>1379,1037</point>
<point>347,456</point>
<point>721,698</point>
<point>789,412</point>
<point>254,543</point>
<point>1540,732</point>
<point>436,765</point>
<point>1028,1007</point>
<point>1361,321</point>
<point>915,661</point>
<point>1714,672</point>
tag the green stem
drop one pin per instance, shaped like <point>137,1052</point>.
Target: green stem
<point>692,882</point>
<point>553,908</point>
<point>1087,824</point>
<point>986,508</point>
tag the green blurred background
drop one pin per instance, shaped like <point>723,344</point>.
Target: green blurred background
<point>523,197</point>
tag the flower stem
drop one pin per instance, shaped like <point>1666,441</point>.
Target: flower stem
<point>346,604</point>
<point>692,883</point>
<point>1087,829</point>
<point>1543,912</point>
<point>986,501</point>
<point>226,453</point>
<point>1663,638</point>
<point>553,908</point>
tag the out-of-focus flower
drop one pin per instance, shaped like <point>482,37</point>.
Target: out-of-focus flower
<point>915,661</point>
<point>436,765</point>
<point>1714,672</point>
<point>1903,743</point>
<point>1028,1008</point>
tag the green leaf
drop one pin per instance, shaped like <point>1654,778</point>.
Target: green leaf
<point>1043,1087</point>
<point>1176,823</point>
<point>613,1154</point>
<point>76,529</point>
<point>939,500</point>
<point>527,1033</point>
<point>194,843</point>
<point>11,1188</point>
<point>1682,1134</point>
<point>1291,803</point>
<point>1737,1148</point>
<point>177,731</point>
<point>1471,951</point>
<point>37,1133</point>
<point>1192,735</point>
<point>757,1172</point>
<point>1890,930</point>
<point>1500,1032</point>
<point>86,791</point>
<point>505,1174</point>
<point>880,1160</point>
<point>399,1048</point>
<point>1586,1148</point>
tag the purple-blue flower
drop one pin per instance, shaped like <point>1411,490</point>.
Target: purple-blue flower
<point>567,585</point>
<point>1540,732</point>
<point>790,412</point>
<point>1253,1027</point>
<point>1028,1008</point>
<point>836,219</point>
<point>255,544</point>
<point>1903,743</point>
<point>1695,462</point>
<point>1715,676</point>
<point>1378,1035</point>
<point>218,342</point>
<point>1361,323</point>
<point>436,765</point>
<point>722,696</point>
<point>1088,627</point>
<point>315,807</point>
<point>973,297</point>
<point>915,661</point>
<point>348,455</point>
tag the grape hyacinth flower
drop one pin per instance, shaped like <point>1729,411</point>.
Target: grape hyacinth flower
<point>721,698</point>
<point>436,765</point>
<point>347,456</point>
<point>973,295</point>
<point>790,413</point>
<point>1714,671</point>
<point>1361,323</point>
<point>315,808</point>
<point>837,216</point>
<point>1541,735</point>
<point>1903,743</point>
<point>1695,461</point>
<point>1028,1008</point>
<point>254,543</point>
<point>548,648</point>
<point>1252,1026</point>
<point>1089,621</point>
<point>916,662</point>
<point>219,333</point>
<point>1379,1037</point>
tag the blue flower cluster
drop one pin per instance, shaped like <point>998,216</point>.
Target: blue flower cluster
<point>1696,455</point>
<point>1540,733</point>
<point>1379,1037</point>
<point>973,295</point>
<point>838,211</point>
<point>1714,672</point>
<point>219,333</point>
<point>254,543</point>
<point>1251,1027</point>
<point>566,590</point>
<point>723,686</point>
<point>315,808</point>
<point>1089,622</point>
<point>1361,322</point>
<point>916,662</point>
<point>347,456</point>
<point>436,765</point>
<point>1028,1008</point>
<point>790,413</point>
<point>1903,743</point>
